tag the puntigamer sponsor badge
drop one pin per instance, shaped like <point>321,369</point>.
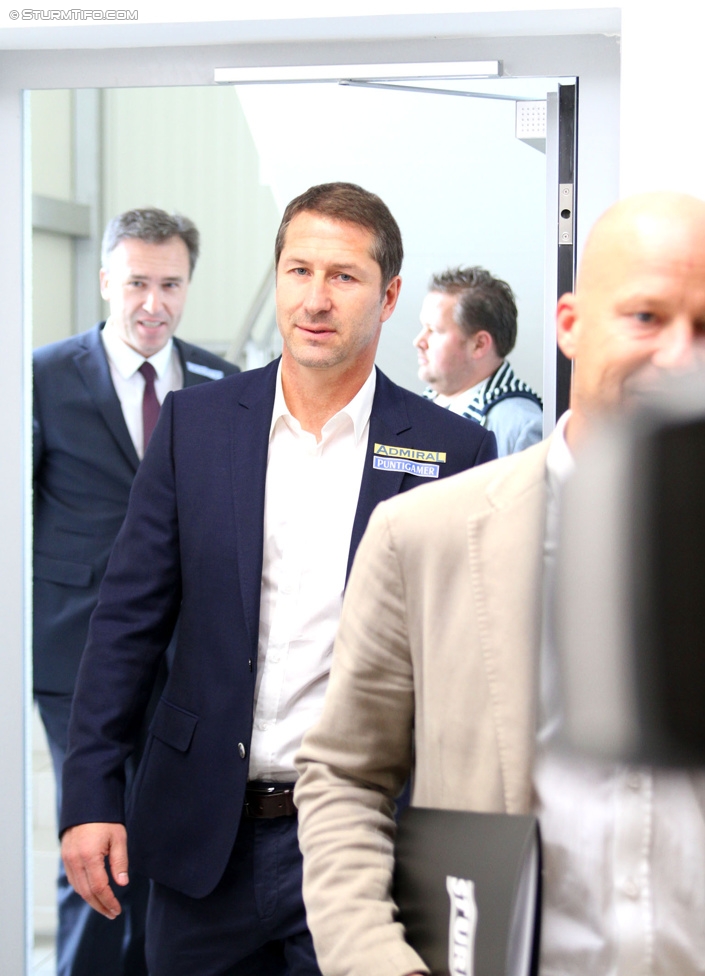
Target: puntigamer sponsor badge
<point>408,460</point>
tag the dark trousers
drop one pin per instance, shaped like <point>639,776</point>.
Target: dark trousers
<point>87,944</point>
<point>252,924</point>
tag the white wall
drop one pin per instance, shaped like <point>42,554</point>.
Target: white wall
<point>181,149</point>
<point>190,150</point>
<point>52,254</point>
<point>662,133</point>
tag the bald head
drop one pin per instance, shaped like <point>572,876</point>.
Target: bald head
<point>639,304</point>
<point>648,225</point>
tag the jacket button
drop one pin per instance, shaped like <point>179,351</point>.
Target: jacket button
<point>242,750</point>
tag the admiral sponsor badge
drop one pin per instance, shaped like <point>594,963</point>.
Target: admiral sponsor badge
<point>408,460</point>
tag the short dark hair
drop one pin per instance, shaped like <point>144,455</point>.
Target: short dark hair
<point>154,226</point>
<point>485,303</point>
<point>349,202</point>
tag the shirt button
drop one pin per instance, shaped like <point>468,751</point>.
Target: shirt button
<point>241,750</point>
<point>634,781</point>
<point>631,888</point>
<point>264,726</point>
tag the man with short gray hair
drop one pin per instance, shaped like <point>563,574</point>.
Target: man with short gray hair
<point>468,328</point>
<point>153,226</point>
<point>96,399</point>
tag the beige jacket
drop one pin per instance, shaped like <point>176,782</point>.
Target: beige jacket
<point>437,643</point>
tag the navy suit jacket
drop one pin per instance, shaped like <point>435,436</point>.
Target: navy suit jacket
<point>192,546</point>
<point>84,465</point>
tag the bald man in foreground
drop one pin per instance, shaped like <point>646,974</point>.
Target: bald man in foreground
<point>442,643</point>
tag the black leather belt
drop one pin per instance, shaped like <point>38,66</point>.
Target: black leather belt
<point>269,800</point>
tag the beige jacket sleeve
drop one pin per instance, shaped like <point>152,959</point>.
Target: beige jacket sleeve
<point>351,766</point>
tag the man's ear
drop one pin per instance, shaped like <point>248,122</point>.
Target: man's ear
<point>481,343</point>
<point>567,324</point>
<point>389,299</point>
<point>104,284</point>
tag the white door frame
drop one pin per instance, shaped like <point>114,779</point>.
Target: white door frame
<point>592,58</point>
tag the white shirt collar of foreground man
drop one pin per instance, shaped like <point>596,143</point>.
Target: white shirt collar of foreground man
<point>358,410</point>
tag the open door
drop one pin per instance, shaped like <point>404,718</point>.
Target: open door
<point>595,58</point>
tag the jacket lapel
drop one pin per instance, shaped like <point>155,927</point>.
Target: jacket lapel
<point>250,421</point>
<point>188,354</point>
<point>508,602</point>
<point>92,364</point>
<point>388,419</point>
<point>183,350</point>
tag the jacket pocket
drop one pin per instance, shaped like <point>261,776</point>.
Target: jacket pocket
<point>62,571</point>
<point>173,726</point>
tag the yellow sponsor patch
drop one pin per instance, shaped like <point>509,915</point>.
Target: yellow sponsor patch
<point>409,453</point>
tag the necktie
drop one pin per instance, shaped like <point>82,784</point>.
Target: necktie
<point>150,404</point>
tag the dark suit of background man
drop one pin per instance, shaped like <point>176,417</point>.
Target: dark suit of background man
<point>243,519</point>
<point>88,441</point>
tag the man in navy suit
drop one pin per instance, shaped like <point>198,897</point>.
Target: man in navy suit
<point>89,437</point>
<point>243,522</point>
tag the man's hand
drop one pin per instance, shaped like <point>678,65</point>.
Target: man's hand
<point>84,849</point>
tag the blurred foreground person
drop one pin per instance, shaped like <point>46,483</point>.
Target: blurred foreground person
<point>444,658</point>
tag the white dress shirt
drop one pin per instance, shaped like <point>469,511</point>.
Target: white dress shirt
<point>311,497</point>
<point>624,848</point>
<point>124,362</point>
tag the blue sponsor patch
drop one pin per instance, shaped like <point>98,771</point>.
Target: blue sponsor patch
<point>200,370</point>
<point>406,467</point>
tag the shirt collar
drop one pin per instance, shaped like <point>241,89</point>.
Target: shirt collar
<point>127,360</point>
<point>464,396</point>
<point>560,463</point>
<point>358,409</point>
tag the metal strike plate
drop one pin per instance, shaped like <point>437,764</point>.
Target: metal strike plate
<point>565,213</point>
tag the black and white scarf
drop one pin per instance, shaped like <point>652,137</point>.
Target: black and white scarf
<point>502,385</point>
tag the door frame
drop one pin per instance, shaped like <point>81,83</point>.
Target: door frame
<point>593,58</point>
